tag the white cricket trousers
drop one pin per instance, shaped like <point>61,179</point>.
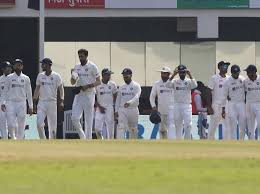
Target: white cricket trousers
<point>171,131</point>
<point>182,120</point>
<point>216,119</point>
<point>83,103</point>
<point>127,121</point>
<point>253,118</point>
<point>106,119</point>
<point>16,115</point>
<point>237,115</point>
<point>3,125</point>
<point>47,109</point>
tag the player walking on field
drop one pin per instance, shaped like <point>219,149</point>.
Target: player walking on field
<point>7,69</point>
<point>85,76</point>
<point>234,91</point>
<point>126,109</point>
<point>252,88</point>
<point>105,101</point>
<point>182,87</point>
<point>165,101</point>
<point>18,90</point>
<point>47,84</point>
<point>216,85</point>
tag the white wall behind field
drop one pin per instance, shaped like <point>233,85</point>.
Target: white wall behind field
<point>145,58</point>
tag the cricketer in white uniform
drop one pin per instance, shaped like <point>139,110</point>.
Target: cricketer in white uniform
<point>126,109</point>
<point>252,88</point>
<point>165,101</point>
<point>7,69</point>
<point>182,87</point>
<point>86,76</point>
<point>18,90</point>
<point>234,91</point>
<point>105,101</point>
<point>216,85</point>
<point>47,84</point>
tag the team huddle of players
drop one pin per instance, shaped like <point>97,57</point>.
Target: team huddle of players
<point>235,100</point>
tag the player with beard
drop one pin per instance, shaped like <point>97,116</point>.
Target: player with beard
<point>18,90</point>
<point>182,87</point>
<point>165,102</point>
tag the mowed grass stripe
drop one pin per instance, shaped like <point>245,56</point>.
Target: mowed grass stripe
<point>129,167</point>
<point>163,150</point>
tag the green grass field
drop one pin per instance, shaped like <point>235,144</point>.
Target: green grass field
<point>129,167</point>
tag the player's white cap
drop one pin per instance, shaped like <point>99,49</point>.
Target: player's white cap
<point>165,70</point>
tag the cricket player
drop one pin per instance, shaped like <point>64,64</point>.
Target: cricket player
<point>216,85</point>
<point>182,87</point>
<point>6,69</point>
<point>86,76</point>
<point>126,109</point>
<point>252,88</point>
<point>105,101</point>
<point>47,84</point>
<point>18,90</point>
<point>165,100</point>
<point>234,91</point>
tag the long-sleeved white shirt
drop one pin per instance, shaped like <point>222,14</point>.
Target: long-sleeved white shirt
<point>2,86</point>
<point>234,89</point>
<point>164,95</point>
<point>252,89</point>
<point>128,93</point>
<point>48,85</point>
<point>182,89</point>
<point>87,74</point>
<point>105,93</point>
<point>216,85</point>
<point>18,89</point>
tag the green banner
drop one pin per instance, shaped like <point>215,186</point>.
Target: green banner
<point>212,4</point>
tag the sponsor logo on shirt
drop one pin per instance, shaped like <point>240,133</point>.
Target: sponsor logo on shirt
<point>103,93</point>
<point>22,80</point>
<point>253,89</point>
<point>47,84</point>
<point>17,86</point>
<point>128,94</point>
<point>165,91</point>
<point>236,88</point>
<point>182,88</point>
<point>83,74</point>
<point>220,86</point>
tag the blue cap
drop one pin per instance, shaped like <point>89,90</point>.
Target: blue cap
<point>127,71</point>
<point>18,61</point>
<point>46,61</point>
<point>182,68</point>
<point>235,69</point>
